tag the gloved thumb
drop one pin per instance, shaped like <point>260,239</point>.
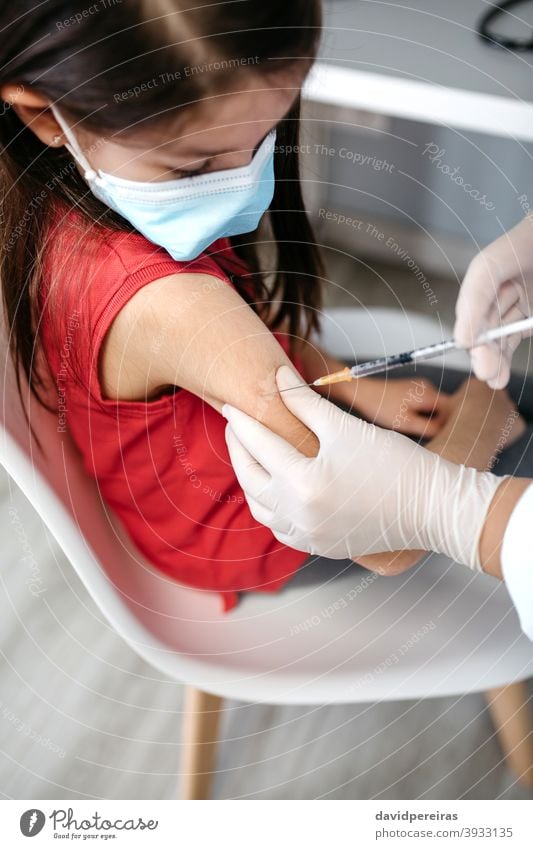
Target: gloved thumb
<point>307,405</point>
<point>271,451</point>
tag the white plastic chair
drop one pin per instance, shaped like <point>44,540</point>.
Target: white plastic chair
<point>350,639</point>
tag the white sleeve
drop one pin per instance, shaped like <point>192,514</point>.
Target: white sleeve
<point>517,559</point>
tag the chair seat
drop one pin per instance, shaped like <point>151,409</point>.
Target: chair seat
<point>437,630</point>
<point>352,636</point>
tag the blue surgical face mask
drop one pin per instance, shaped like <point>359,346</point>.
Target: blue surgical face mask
<point>186,216</point>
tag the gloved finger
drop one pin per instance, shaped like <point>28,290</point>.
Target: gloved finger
<point>478,293</point>
<point>515,313</point>
<point>487,361</point>
<point>502,379</point>
<point>272,452</point>
<point>492,362</point>
<point>292,540</point>
<point>272,519</point>
<point>261,513</point>
<point>504,373</point>
<point>307,405</point>
<point>507,306</point>
<point>508,345</point>
<point>507,310</point>
<point>252,477</point>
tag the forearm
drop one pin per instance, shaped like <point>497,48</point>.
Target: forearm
<point>478,428</point>
<point>472,436</point>
<point>490,544</point>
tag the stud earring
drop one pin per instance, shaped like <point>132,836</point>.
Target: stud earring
<point>56,139</point>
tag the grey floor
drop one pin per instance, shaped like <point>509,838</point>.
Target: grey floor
<point>81,716</point>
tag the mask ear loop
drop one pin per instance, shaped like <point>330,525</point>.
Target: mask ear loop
<point>73,146</point>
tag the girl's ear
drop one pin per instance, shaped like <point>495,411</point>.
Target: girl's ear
<point>32,109</point>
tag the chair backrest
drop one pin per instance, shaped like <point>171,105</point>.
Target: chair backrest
<point>350,334</point>
<point>128,590</point>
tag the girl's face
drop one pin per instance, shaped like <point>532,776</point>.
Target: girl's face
<point>220,132</point>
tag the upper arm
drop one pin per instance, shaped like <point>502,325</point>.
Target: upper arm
<point>196,332</point>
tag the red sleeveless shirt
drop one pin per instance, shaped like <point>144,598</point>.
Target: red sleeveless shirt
<point>162,466</point>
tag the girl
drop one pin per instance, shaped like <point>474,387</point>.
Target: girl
<point>142,145</point>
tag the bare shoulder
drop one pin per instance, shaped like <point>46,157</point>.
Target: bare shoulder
<point>129,360</point>
<point>194,331</point>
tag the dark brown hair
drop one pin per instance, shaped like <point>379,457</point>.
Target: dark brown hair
<point>80,57</point>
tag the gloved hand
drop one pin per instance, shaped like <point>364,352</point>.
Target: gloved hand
<point>368,490</point>
<point>497,289</point>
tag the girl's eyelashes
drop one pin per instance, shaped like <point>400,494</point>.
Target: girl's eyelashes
<point>202,169</point>
<point>182,172</point>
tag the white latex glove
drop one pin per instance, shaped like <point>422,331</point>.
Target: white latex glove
<point>368,490</point>
<point>497,289</point>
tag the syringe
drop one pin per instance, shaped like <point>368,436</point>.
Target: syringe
<point>386,364</point>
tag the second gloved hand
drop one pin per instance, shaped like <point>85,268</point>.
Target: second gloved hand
<point>497,289</point>
<point>368,490</point>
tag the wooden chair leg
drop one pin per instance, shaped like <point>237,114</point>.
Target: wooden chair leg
<point>200,737</point>
<point>511,716</point>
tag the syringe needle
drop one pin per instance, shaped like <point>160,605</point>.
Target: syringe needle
<point>388,363</point>
<point>277,391</point>
<point>300,385</point>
